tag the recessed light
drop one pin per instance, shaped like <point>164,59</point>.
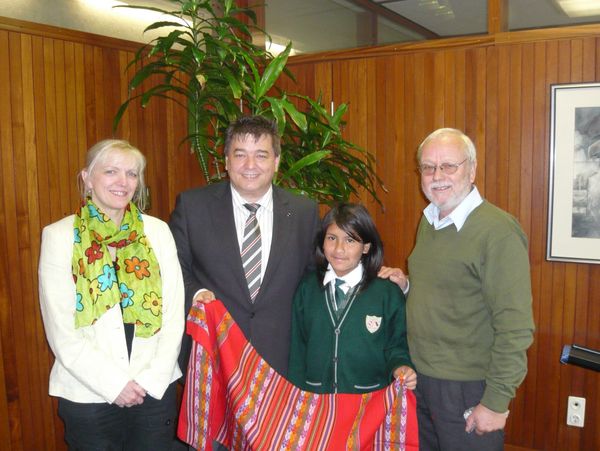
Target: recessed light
<point>580,8</point>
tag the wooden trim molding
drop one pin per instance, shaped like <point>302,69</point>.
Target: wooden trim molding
<point>50,31</point>
<point>512,37</point>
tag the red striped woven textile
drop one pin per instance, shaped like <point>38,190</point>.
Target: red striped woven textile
<point>233,396</point>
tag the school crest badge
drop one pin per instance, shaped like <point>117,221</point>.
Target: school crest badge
<point>373,323</point>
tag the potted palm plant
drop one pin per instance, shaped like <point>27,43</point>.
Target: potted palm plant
<point>207,62</point>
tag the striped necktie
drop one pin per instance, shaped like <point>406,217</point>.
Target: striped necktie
<point>252,251</point>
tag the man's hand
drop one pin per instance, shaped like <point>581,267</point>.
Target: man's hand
<point>204,297</point>
<point>396,275</point>
<point>407,376</point>
<point>131,395</point>
<point>483,420</point>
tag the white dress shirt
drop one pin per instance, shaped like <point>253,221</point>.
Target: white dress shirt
<point>264,215</point>
<point>458,216</point>
<point>351,279</point>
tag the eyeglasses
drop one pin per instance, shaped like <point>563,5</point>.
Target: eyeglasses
<point>446,168</point>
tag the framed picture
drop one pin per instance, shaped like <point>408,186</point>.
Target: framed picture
<point>574,202</point>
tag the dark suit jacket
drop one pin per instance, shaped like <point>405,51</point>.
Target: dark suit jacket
<point>204,230</point>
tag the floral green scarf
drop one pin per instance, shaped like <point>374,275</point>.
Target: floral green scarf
<point>133,279</point>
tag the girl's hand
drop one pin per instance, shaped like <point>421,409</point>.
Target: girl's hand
<point>204,297</point>
<point>407,376</point>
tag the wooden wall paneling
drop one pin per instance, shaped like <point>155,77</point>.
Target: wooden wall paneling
<point>489,188</point>
<point>68,189</point>
<point>182,160</point>
<point>99,96</point>
<point>597,60</point>
<point>413,200</point>
<point>350,87</point>
<point>577,58</point>
<point>171,148</point>
<point>323,82</point>
<point>521,411</point>
<point>8,408</point>
<point>58,95</point>
<point>390,153</point>
<point>29,250</point>
<point>506,109</point>
<point>454,87</point>
<point>370,126</point>
<point>89,75</point>
<point>72,150</point>
<point>37,50</point>
<point>112,94</point>
<point>57,98</point>
<point>438,104</point>
<point>551,320</point>
<point>414,132</point>
<point>425,96</point>
<point>525,143</point>
<point>27,217</point>
<point>22,396</point>
<point>477,119</point>
<point>79,92</point>
<point>512,136</point>
<point>545,71</point>
<point>589,276</point>
<point>4,415</point>
<point>460,87</point>
<point>589,59</point>
<point>56,202</point>
<point>583,62</point>
<point>158,164</point>
<point>124,126</point>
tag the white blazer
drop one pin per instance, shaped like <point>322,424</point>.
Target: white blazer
<point>91,364</point>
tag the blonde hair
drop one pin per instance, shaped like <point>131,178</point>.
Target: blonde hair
<point>100,151</point>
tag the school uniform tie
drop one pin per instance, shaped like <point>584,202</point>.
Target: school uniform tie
<point>340,296</point>
<point>252,251</point>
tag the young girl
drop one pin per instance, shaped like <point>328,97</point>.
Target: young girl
<point>348,325</point>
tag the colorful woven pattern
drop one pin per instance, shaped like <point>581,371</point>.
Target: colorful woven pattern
<point>233,396</point>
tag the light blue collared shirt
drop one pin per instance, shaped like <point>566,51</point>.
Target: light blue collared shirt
<point>458,216</point>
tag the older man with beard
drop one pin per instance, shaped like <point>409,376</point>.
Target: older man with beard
<point>469,313</point>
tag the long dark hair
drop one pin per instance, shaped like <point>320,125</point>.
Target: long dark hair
<point>355,220</point>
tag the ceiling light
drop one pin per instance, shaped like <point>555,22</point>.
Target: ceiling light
<point>276,49</point>
<point>119,7</point>
<point>580,8</point>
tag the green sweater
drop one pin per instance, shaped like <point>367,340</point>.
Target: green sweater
<point>469,305</point>
<point>362,356</point>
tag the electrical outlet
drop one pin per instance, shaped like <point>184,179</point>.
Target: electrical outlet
<point>576,411</point>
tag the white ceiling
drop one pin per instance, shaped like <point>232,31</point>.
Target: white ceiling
<point>311,25</point>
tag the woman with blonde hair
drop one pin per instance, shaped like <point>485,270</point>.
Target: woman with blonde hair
<point>111,295</point>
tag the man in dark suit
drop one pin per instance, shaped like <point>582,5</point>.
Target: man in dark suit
<point>209,225</point>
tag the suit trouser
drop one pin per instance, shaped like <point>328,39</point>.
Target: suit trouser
<point>440,407</point>
<point>149,426</point>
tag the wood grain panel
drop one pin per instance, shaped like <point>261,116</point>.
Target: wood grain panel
<point>59,92</point>
<point>499,93</point>
<point>57,98</point>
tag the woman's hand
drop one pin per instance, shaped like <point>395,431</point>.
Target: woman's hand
<point>407,376</point>
<point>131,395</point>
